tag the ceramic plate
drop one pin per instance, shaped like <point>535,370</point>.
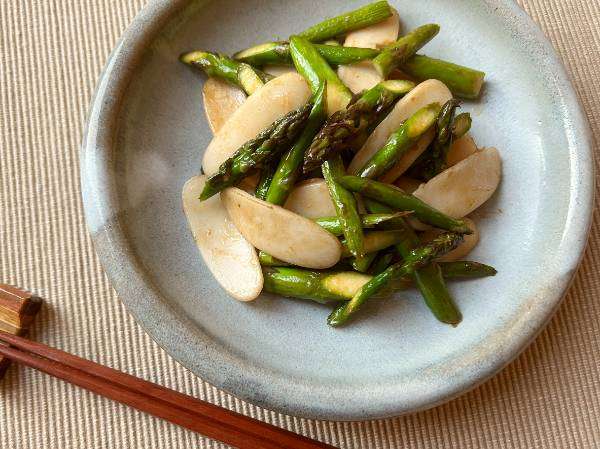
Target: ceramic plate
<point>145,137</point>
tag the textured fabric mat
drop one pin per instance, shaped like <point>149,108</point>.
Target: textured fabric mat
<point>51,54</point>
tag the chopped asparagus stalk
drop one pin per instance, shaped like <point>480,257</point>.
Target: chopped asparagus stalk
<point>405,47</point>
<point>267,53</point>
<point>462,81</point>
<point>311,65</point>
<point>418,258</point>
<point>279,53</point>
<point>289,166</point>
<point>401,141</point>
<point>341,129</point>
<point>319,286</point>
<point>334,225</point>
<point>257,152</point>
<point>221,66</point>
<point>353,20</point>
<point>430,281</point>
<point>398,199</point>
<point>345,206</point>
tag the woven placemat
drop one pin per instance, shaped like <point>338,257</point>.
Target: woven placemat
<point>51,54</point>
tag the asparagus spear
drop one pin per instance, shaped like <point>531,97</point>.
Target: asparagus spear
<point>462,81</point>
<point>465,269</point>
<point>398,199</point>
<point>353,20</point>
<point>345,206</point>
<point>257,152</point>
<point>279,53</point>
<point>334,224</point>
<point>311,65</point>
<point>289,166</point>
<point>334,286</point>
<point>343,127</point>
<point>318,286</point>
<point>429,282</point>
<point>266,177</point>
<point>417,258</point>
<point>461,125</point>
<point>405,47</point>
<point>220,66</point>
<point>316,71</point>
<point>400,141</point>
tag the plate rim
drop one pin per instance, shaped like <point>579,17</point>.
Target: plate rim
<point>144,302</point>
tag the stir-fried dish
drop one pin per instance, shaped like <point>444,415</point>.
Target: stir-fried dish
<point>341,168</point>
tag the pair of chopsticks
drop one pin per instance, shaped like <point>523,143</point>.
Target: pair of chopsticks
<point>210,420</point>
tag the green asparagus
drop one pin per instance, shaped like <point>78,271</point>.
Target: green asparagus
<point>417,258</point>
<point>398,199</point>
<point>345,206</point>
<point>465,269</point>
<point>319,286</point>
<point>257,152</point>
<point>289,166</point>
<point>429,282</point>
<point>311,65</point>
<point>353,20</point>
<point>405,47</point>
<point>462,81</point>
<point>343,127</point>
<point>221,66</point>
<point>334,224</point>
<point>400,141</point>
<point>279,53</point>
<point>334,286</point>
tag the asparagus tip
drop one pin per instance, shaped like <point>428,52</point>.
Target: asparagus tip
<point>207,192</point>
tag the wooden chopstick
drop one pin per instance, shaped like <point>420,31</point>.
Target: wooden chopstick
<point>208,419</point>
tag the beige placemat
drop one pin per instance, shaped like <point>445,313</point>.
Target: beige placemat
<point>51,53</point>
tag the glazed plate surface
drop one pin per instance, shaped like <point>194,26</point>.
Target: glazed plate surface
<point>145,138</point>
